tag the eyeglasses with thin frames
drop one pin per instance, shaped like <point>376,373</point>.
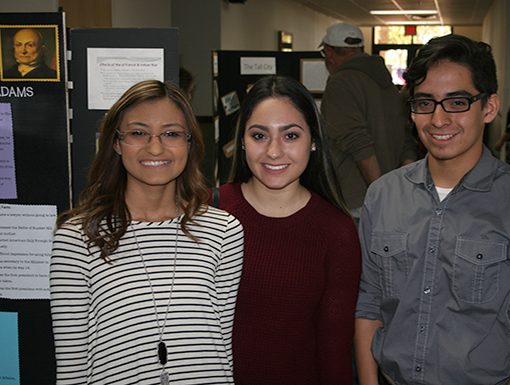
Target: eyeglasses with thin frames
<point>453,105</point>
<point>140,138</point>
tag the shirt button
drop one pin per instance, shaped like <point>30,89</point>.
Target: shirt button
<point>479,256</point>
<point>418,369</point>
<point>439,211</point>
<point>431,250</point>
<point>427,290</point>
<point>422,329</point>
<point>386,248</point>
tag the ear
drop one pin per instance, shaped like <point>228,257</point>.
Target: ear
<point>116,147</point>
<point>491,108</point>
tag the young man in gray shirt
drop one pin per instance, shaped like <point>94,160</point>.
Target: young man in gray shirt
<point>434,302</point>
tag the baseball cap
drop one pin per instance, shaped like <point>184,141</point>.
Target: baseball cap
<point>339,35</point>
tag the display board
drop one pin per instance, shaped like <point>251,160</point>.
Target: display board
<point>48,120</point>
<point>34,187</point>
<point>105,62</point>
<point>234,72</point>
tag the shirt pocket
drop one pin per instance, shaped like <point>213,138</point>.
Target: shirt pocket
<point>476,269</point>
<point>392,250</point>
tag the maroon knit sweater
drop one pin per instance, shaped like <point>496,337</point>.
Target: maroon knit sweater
<point>294,318</point>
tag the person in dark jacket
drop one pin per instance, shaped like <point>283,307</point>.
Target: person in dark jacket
<point>366,118</point>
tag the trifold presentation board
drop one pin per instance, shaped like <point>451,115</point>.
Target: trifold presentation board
<point>234,72</point>
<point>55,86</point>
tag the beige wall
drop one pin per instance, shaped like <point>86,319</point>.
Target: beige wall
<point>474,33</point>
<point>199,33</point>
<point>141,13</point>
<point>28,5</point>
<point>254,25</point>
<point>367,35</point>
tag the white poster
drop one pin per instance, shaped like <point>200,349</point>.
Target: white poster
<point>26,235</point>
<point>314,74</point>
<point>111,71</point>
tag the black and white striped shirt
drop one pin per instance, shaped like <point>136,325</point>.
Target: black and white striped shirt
<point>104,319</point>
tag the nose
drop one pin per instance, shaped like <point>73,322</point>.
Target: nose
<point>440,117</point>
<point>155,147</point>
<point>274,149</point>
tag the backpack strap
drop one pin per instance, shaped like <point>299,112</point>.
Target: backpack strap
<point>215,201</point>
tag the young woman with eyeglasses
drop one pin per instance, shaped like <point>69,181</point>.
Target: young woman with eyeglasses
<point>144,275</point>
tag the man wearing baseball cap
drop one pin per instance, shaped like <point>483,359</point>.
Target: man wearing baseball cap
<point>366,117</point>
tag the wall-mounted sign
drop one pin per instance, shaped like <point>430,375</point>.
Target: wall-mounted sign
<point>258,65</point>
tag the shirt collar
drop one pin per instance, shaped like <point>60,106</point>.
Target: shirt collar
<point>479,178</point>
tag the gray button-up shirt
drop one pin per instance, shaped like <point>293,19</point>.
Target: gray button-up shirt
<point>437,274</point>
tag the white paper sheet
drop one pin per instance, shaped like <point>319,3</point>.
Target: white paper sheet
<point>26,235</point>
<point>111,71</point>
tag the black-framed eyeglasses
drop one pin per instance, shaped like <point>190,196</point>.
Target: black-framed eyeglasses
<point>453,105</point>
<point>140,138</point>
<point>323,52</point>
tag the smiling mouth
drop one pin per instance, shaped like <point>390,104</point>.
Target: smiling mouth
<point>443,137</point>
<point>154,162</point>
<point>271,167</point>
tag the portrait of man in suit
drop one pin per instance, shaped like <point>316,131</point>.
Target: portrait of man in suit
<point>31,59</point>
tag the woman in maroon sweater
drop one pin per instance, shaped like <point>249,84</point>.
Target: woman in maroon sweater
<point>294,317</point>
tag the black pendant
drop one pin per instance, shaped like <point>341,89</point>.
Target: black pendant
<point>162,353</point>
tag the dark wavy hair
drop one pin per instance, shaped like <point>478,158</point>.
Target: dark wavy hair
<point>476,56</point>
<point>102,210</point>
<point>319,175</point>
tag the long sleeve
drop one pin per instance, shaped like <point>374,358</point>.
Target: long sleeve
<point>228,278</point>
<point>70,300</point>
<point>336,311</point>
<point>368,306</point>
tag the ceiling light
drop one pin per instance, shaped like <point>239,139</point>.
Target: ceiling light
<point>410,12</point>
<point>423,17</point>
<point>411,22</point>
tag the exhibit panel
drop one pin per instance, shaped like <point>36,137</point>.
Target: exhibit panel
<point>34,187</point>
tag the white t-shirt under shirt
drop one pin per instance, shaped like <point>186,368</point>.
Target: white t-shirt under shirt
<point>443,192</point>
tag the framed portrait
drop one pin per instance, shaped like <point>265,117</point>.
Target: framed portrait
<point>29,53</point>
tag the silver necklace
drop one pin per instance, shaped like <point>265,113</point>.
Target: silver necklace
<point>164,377</point>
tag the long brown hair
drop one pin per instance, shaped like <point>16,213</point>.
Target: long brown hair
<point>319,175</point>
<point>102,210</point>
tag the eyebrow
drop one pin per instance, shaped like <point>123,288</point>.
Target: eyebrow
<point>280,129</point>
<point>423,95</point>
<point>169,125</point>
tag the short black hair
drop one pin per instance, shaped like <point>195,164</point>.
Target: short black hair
<point>476,56</point>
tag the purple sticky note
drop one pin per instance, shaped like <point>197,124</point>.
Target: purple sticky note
<point>7,168</point>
